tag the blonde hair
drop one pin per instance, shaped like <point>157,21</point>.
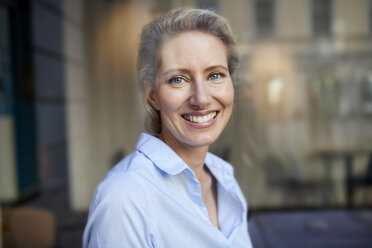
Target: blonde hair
<point>155,33</point>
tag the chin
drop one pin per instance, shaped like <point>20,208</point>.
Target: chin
<point>199,140</point>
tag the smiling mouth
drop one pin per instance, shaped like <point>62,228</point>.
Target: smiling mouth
<point>200,119</point>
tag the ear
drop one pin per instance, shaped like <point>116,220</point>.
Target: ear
<point>151,96</point>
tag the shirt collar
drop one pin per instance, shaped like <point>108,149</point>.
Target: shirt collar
<point>160,154</point>
<point>220,169</point>
<point>168,161</point>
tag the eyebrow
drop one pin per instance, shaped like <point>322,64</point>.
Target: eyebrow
<point>176,70</point>
<point>182,70</point>
<point>216,67</point>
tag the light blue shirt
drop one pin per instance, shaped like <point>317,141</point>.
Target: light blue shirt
<point>153,199</point>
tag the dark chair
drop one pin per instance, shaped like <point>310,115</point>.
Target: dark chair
<point>361,181</point>
<point>27,227</point>
<point>284,174</point>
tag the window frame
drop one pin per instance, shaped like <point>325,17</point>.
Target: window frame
<point>331,20</point>
<point>259,34</point>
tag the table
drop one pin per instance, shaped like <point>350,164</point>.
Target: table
<point>328,154</point>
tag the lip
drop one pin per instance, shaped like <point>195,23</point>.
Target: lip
<point>201,113</point>
<point>204,124</point>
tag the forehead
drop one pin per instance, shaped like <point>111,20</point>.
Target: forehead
<point>192,48</point>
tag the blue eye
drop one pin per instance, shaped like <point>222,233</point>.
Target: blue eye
<point>176,80</point>
<point>215,76</point>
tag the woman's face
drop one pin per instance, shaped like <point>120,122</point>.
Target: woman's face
<point>193,90</point>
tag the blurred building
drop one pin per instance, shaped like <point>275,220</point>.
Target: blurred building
<point>70,106</point>
<point>304,90</point>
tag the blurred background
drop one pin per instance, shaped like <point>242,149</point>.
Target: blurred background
<point>300,137</point>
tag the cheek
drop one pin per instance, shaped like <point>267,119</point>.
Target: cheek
<point>227,96</point>
<point>168,101</point>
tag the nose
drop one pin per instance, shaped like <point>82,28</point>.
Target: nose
<point>201,97</point>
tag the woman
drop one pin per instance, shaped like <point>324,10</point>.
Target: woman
<point>171,192</point>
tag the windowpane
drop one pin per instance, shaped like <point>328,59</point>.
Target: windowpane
<point>4,62</point>
<point>264,17</point>
<point>207,4</point>
<point>321,16</point>
<point>370,16</point>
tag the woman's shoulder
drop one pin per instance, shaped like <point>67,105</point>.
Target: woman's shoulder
<point>118,188</point>
<point>126,179</point>
<point>120,209</point>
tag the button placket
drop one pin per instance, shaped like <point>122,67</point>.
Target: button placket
<point>196,194</point>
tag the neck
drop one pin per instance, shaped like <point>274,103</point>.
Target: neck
<point>193,156</point>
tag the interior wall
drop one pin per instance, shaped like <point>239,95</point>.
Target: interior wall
<point>8,182</point>
<point>105,112</point>
<point>82,169</point>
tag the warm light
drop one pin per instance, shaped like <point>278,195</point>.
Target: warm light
<point>275,89</point>
<point>268,60</point>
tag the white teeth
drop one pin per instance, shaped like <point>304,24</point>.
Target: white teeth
<point>200,119</point>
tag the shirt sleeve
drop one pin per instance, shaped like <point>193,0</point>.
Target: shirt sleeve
<point>118,216</point>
